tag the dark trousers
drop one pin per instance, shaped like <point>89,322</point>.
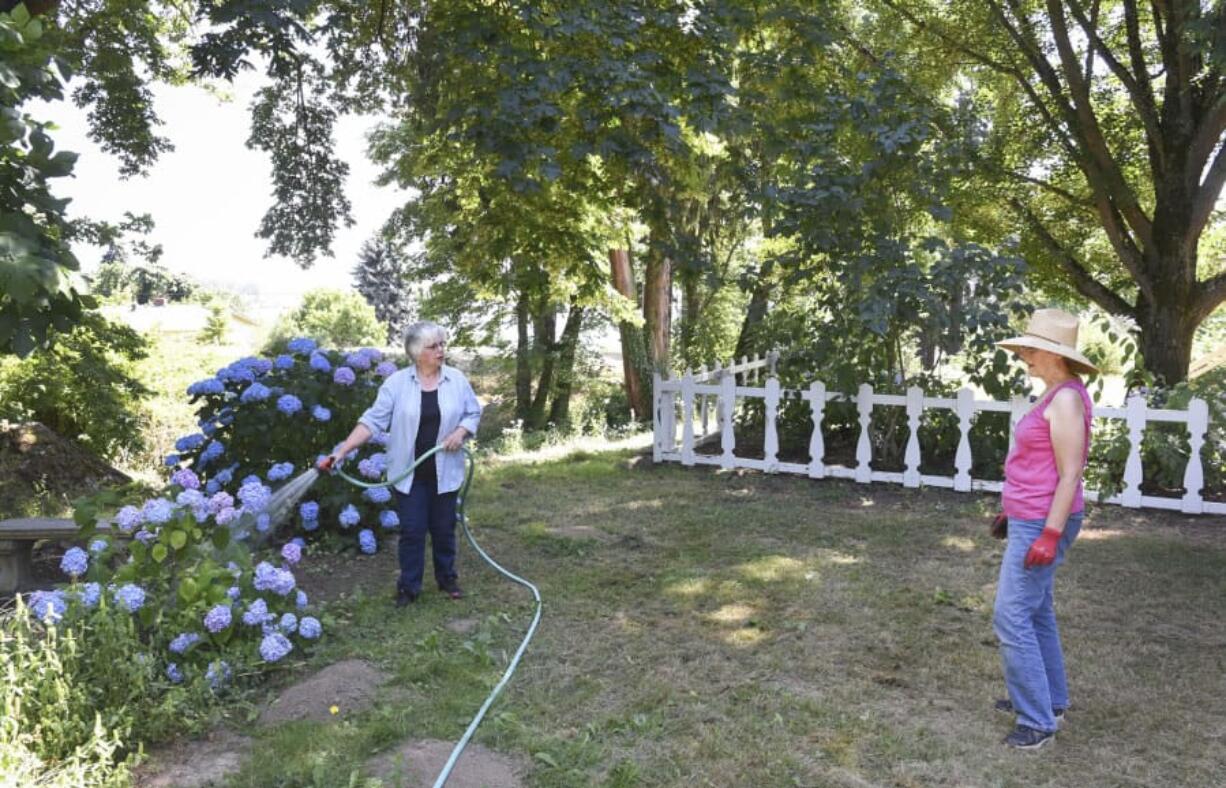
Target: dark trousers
<point>425,509</point>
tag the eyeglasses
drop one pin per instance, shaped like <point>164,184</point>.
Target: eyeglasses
<point>436,346</point>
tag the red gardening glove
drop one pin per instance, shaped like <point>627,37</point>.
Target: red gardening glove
<point>1043,551</point>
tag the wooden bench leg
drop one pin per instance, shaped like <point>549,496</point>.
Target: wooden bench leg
<point>15,571</point>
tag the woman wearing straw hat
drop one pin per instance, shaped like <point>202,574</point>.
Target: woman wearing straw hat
<point>1043,503</point>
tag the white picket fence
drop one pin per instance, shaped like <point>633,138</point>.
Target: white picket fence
<point>699,397</point>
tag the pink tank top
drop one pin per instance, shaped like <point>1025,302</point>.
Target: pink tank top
<point>1030,469</point>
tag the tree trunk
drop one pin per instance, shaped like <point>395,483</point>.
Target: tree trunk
<point>559,412</point>
<point>634,350</point>
<point>756,312</point>
<point>657,308</point>
<point>545,349</point>
<point>691,308</point>
<point>523,360</point>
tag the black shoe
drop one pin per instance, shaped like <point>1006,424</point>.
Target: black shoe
<point>1027,738</point>
<point>1005,705</point>
<point>405,597</point>
<point>451,588</point>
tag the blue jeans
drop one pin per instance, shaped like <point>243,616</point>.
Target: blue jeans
<point>1025,624</point>
<point>423,509</point>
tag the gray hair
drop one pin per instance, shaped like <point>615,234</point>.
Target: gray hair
<point>418,335</point>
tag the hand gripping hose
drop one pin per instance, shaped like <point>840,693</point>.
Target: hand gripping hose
<point>462,517</point>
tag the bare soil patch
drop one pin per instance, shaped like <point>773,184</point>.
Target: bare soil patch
<point>194,763</point>
<point>417,763</point>
<point>351,685</point>
<point>42,471</point>
<point>461,626</point>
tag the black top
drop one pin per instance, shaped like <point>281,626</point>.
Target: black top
<point>427,437</point>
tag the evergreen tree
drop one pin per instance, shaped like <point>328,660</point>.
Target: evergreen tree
<point>381,277</point>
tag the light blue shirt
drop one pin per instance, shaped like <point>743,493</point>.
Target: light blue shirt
<point>397,411</point>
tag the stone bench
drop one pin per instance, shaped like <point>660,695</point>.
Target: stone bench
<point>17,538</point>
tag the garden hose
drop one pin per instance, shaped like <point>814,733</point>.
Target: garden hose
<point>462,518</point>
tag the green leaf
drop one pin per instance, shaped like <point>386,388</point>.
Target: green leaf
<point>159,552</point>
<point>178,539</point>
<point>221,537</point>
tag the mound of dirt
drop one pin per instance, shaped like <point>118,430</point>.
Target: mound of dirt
<point>33,456</point>
<point>417,763</point>
<point>350,685</point>
<point>194,763</point>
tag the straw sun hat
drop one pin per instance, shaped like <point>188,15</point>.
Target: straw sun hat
<point>1055,331</point>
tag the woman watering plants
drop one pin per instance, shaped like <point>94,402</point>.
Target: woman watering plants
<point>419,407</point>
<point>1043,505</point>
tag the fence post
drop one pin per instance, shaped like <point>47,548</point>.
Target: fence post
<point>817,444</point>
<point>727,404</point>
<point>915,407</point>
<point>1194,474</point>
<point>962,460</point>
<point>864,448</point>
<point>771,452</point>
<point>1133,473</point>
<point>687,420</point>
<point>668,420</point>
<point>1017,410</point>
<point>657,430</point>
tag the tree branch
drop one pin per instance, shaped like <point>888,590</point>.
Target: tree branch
<point>1212,128</point>
<point>1073,199</point>
<point>1206,196</point>
<point>1137,84</point>
<point>1086,284</point>
<point>1212,294</point>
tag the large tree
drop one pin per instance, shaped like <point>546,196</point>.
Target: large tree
<point>1107,121</point>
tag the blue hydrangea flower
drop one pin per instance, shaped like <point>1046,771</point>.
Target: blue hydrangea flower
<point>89,594</point>
<point>254,496</point>
<point>282,470</point>
<point>171,460</point>
<point>130,596</point>
<point>236,373</point>
<point>310,525</point>
<point>256,392</point>
<point>309,510</point>
<point>343,376</point>
<point>145,536</point>
<point>194,500</point>
<point>385,369</point>
<point>186,478</point>
<point>378,495</point>
<point>310,628</point>
<point>283,362</point>
<point>320,363</point>
<point>226,516</point>
<point>301,345</point>
<point>374,466</point>
<point>128,518</point>
<point>226,475</point>
<point>173,673</point>
<point>183,641</point>
<point>212,486</point>
<point>288,623</point>
<point>257,613</point>
<point>270,578</point>
<point>98,546</point>
<point>218,674</point>
<point>206,386</point>
<point>48,606</point>
<point>157,510</point>
<point>300,601</point>
<point>189,442</point>
<point>211,452</point>
<point>289,404</point>
<point>358,360</point>
<point>75,562</point>
<point>274,647</point>
<point>366,540</point>
<point>220,500</point>
<point>320,413</point>
<point>379,438</point>
<point>349,516</point>
<point>292,553</point>
<point>219,617</point>
<point>389,519</point>
<point>263,522</point>
<point>250,478</point>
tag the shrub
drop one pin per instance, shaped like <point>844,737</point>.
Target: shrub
<point>214,331</point>
<point>82,387</point>
<point>330,317</point>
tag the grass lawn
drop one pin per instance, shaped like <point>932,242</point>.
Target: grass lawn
<point>741,630</point>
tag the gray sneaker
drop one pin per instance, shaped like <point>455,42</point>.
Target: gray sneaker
<point>1024,737</point>
<point>1006,706</point>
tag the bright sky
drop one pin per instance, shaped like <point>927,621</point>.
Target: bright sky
<point>209,194</point>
